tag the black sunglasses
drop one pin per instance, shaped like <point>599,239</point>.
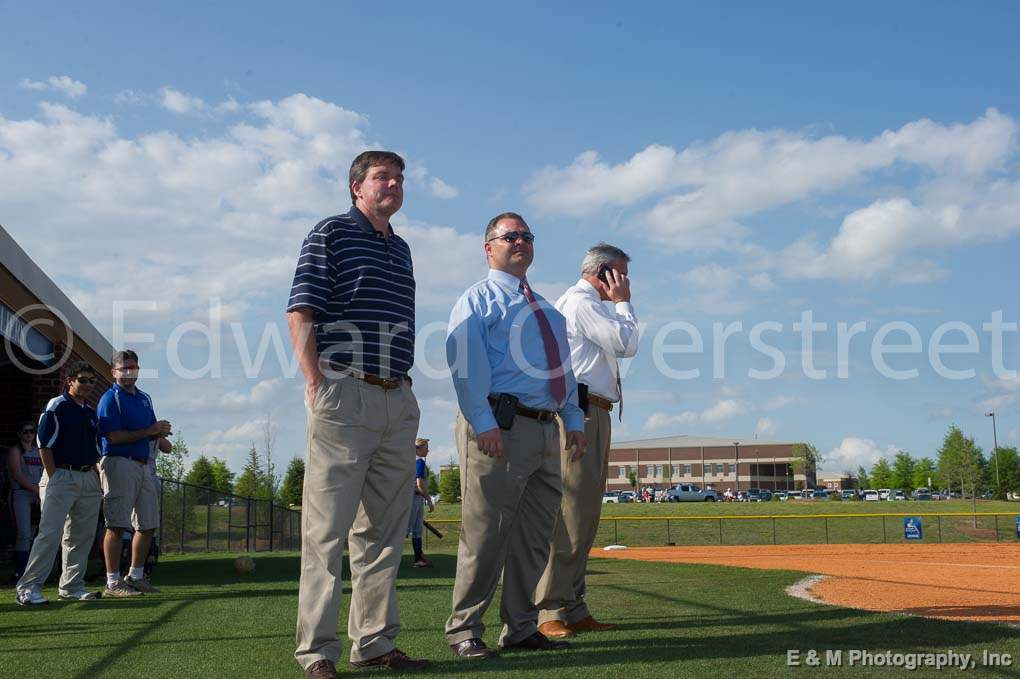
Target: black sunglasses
<point>512,236</point>
<point>84,380</point>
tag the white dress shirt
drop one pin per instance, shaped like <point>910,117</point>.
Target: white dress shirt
<point>597,337</point>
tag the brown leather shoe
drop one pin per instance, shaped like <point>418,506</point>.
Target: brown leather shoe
<point>536,642</point>
<point>590,624</point>
<point>323,669</point>
<point>473,648</point>
<point>554,629</point>
<point>394,660</point>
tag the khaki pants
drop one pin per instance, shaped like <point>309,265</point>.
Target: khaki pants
<point>508,508</point>
<point>129,494</point>
<point>560,593</point>
<point>69,517</point>
<point>357,490</point>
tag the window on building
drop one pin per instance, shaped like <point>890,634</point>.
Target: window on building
<point>687,470</point>
<point>717,468</point>
<point>623,471</point>
<point>658,471</point>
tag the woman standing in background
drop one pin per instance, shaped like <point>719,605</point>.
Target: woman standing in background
<point>25,468</point>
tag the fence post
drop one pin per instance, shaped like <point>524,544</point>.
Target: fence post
<point>162,533</point>
<point>184,497</point>
<point>939,518</point>
<point>996,517</point>
<point>270,525</point>
<point>773,530</point>
<point>720,530</point>
<point>826,530</point>
<point>247,525</point>
<point>883,529</point>
<point>208,522</point>
<point>668,541</point>
<point>616,532</point>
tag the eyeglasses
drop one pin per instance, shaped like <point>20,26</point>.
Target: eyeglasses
<point>512,237</point>
<point>122,369</point>
<point>84,380</point>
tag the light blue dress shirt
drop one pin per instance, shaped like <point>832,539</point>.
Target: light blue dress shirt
<point>494,346</point>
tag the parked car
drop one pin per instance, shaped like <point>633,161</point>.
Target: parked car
<point>612,496</point>
<point>782,496</point>
<point>848,494</point>
<point>896,495</point>
<point>883,493</point>
<point>628,496</point>
<point>758,495</point>
<point>688,492</point>
<point>870,496</point>
<point>820,494</point>
<point>922,494</point>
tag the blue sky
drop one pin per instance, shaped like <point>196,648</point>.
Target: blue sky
<point>757,161</point>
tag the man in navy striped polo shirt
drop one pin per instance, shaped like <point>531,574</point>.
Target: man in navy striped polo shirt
<point>351,321</point>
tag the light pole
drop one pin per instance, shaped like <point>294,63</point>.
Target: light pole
<point>995,442</point>
<point>736,467</point>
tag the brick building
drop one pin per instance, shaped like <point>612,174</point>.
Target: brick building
<point>41,332</point>
<point>710,462</point>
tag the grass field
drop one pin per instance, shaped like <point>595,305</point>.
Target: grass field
<point>676,621</point>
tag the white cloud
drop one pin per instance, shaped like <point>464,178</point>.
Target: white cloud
<point>253,430</point>
<point>181,102</point>
<point>766,427</point>
<point>705,191</point>
<point>441,189</point>
<point>64,84</point>
<point>712,276</point>
<point>853,452</point>
<point>725,409</point>
<point>777,402</point>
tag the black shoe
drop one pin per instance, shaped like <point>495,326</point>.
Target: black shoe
<point>473,648</point>
<point>537,642</point>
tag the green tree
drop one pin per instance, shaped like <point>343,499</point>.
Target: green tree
<point>863,480</point>
<point>960,463</point>
<point>923,471</point>
<point>252,481</point>
<point>903,471</point>
<point>171,465</point>
<point>293,482</point>
<point>1009,471</point>
<point>881,474</point>
<point>632,479</point>
<point>805,461</point>
<point>449,485</point>
<point>222,477</point>
<point>433,482</point>
<point>200,473</point>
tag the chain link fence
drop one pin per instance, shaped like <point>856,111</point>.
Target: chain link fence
<point>198,519</point>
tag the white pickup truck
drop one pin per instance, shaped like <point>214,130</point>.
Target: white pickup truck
<point>686,492</point>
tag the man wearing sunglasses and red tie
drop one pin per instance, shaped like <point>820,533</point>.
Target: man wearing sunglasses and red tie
<point>508,353</point>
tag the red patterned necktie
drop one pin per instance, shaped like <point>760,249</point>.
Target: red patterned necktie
<point>557,382</point>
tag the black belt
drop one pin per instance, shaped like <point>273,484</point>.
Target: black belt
<point>76,467</point>
<point>525,411</point>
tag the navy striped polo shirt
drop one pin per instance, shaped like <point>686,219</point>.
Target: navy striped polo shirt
<point>360,288</point>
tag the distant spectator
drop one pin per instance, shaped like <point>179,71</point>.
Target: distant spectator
<point>69,491</point>
<point>421,497</point>
<point>25,469</point>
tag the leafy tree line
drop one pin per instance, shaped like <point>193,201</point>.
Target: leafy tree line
<point>959,465</point>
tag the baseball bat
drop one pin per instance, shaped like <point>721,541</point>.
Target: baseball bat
<point>432,529</point>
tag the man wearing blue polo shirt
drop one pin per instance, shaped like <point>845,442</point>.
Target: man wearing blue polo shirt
<point>69,491</point>
<point>351,321</point>
<point>128,424</point>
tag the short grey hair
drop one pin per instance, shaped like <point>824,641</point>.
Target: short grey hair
<point>601,255</point>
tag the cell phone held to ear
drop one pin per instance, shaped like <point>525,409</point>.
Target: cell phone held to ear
<point>504,408</point>
<point>601,275</point>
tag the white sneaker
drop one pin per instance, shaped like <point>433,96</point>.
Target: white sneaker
<point>143,585</point>
<point>82,595</point>
<point>31,597</point>
<point>120,590</point>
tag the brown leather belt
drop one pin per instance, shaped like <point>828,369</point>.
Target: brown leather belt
<point>525,411</point>
<point>600,402</point>
<point>384,382</point>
